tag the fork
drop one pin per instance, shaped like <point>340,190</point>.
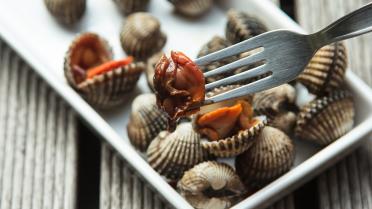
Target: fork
<point>282,53</point>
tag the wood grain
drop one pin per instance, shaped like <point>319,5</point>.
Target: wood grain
<point>349,183</point>
<point>38,158</point>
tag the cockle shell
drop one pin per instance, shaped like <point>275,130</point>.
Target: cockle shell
<point>171,154</point>
<point>150,69</point>
<point>141,36</point>
<point>103,90</point>
<point>192,8</point>
<point>130,6</point>
<point>215,44</point>
<point>235,144</point>
<point>284,121</point>
<point>66,11</point>
<point>326,70</point>
<point>241,26</point>
<point>326,119</point>
<point>211,185</point>
<point>270,157</point>
<point>145,121</point>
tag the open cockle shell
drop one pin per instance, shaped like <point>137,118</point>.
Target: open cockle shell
<point>141,36</point>
<point>326,70</point>
<point>171,154</point>
<point>270,157</point>
<point>145,122</point>
<point>211,185</point>
<point>192,8</point>
<point>215,44</point>
<point>326,119</point>
<point>232,145</point>
<point>241,26</point>
<point>103,90</point>
<point>130,6</point>
<point>66,11</point>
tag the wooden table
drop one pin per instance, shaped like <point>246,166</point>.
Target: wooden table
<point>39,149</point>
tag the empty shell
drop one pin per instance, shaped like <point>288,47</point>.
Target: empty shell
<point>141,36</point>
<point>326,70</point>
<point>66,11</point>
<point>270,157</point>
<point>211,185</point>
<point>145,121</point>
<point>326,119</point>
<point>171,154</point>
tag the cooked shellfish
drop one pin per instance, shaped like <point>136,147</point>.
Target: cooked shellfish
<point>171,154</point>
<point>150,69</point>
<point>270,157</point>
<point>211,185</point>
<point>141,36</point>
<point>284,121</point>
<point>230,128</point>
<point>326,70</point>
<point>326,119</point>
<point>145,122</point>
<point>215,44</point>
<point>89,69</point>
<point>241,26</point>
<point>192,8</point>
<point>130,6</point>
<point>66,11</point>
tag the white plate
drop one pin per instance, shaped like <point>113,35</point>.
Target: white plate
<point>34,34</point>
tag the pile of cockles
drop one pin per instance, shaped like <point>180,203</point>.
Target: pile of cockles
<point>218,154</point>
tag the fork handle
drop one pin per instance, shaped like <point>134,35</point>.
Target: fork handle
<point>354,24</point>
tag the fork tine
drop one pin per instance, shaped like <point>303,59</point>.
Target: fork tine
<point>259,56</point>
<point>238,77</point>
<point>259,85</point>
<point>238,48</point>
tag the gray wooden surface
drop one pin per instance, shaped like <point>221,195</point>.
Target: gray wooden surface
<point>349,183</point>
<point>38,149</point>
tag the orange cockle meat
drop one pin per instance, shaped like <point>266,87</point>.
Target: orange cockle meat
<point>179,85</point>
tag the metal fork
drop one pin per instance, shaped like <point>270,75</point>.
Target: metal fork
<point>284,54</point>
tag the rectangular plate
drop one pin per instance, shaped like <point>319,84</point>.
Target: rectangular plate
<point>34,34</point>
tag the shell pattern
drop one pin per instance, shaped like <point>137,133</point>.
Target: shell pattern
<point>192,8</point>
<point>211,185</point>
<point>270,157</point>
<point>107,89</point>
<point>130,6</point>
<point>150,69</point>
<point>215,44</point>
<point>235,144</point>
<point>66,11</point>
<point>326,70</point>
<point>326,119</point>
<point>141,36</point>
<point>171,154</point>
<point>241,26</point>
<point>145,121</point>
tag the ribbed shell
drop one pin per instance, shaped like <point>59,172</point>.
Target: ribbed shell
<point>270,157</point>
<point>108,89</point>
<point>241,26</point>
<point>285,121</point>
<point>141,36</point>
<point>171,154</point>
<point>326,119</point>
<point>273,101</point>
<point>326,70</point>
<point>130,6</point>
<point>207,176</point>
<point>66,11</point>
<point>150,69</point>
<point>215,44</point>
<point>145,121</point>
<point>192,8</point>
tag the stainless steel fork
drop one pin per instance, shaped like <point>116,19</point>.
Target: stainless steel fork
<point>284,54</point>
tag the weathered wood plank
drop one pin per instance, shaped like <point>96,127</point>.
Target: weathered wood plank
<point>38,148</point>
<point>349,183</point>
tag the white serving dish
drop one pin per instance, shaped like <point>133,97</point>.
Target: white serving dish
<point>33,33</point>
